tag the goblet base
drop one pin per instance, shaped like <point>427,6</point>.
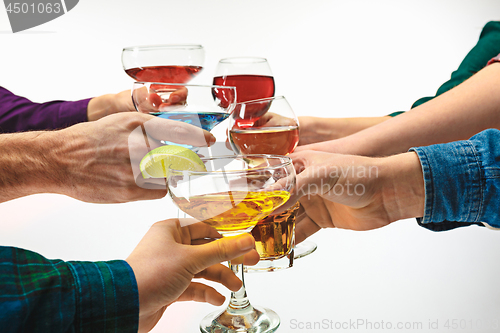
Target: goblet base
<point>271,265</point>
<point>254,319</point>
<point>304,249</point>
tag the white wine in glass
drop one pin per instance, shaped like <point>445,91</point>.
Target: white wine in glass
<point>232,196</point>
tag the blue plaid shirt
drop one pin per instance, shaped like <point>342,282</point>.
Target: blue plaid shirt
<point>42,295</point>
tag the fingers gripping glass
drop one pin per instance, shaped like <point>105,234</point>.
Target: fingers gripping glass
<point>232,196</point>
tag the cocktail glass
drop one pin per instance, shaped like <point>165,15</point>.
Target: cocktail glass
<point>204,106</point>
<point>269,126</point>
<point>170,63</point>
<point>251,76</point>
<point>232,196</point>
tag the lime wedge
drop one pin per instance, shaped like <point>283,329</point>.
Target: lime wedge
<point>156,163</point>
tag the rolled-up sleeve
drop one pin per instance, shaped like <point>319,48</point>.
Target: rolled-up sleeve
<point>462,182</point>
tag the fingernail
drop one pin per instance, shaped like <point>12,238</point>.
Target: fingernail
<point>212,139</point>
<point>246,243</point>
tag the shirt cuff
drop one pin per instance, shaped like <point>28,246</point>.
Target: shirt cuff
<point>71,113</point>
<point>107,298</point>
<point>452,179</point>
<point>394,114</point>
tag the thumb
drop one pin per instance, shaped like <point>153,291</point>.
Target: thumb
<point>221,250</point>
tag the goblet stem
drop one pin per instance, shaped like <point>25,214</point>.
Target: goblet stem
<point>239,301</point>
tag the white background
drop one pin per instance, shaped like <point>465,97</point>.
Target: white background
<point>330,58</point>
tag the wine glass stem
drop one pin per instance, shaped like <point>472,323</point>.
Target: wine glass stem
<point>239,300</point>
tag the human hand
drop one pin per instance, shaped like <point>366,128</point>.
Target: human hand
<point>165,262</point>
<point>149,100</point>
<point>99,161</point>
<point>355,192</point>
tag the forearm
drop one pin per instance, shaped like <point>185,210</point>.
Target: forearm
<point>402,186</point>
<point>317,129</point>
<point>457,114</point>
<point>25,164</point>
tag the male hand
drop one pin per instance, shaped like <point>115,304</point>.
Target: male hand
<point>165,262</point>
<point>355,192</point>
<point>99,161</point>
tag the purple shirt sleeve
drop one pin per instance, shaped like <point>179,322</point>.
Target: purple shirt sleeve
<point>18,114</point>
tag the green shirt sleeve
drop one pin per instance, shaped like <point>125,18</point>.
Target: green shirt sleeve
<point>486,48</point>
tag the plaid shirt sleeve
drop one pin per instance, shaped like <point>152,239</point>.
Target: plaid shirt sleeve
<point>42,295</point>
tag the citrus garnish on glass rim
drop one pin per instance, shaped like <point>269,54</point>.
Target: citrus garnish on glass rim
<point>156,163</point>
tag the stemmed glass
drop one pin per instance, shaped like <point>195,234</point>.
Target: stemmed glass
<point>264,126</point>
<point>269,126</point>
<point>170,63</point>
<point>251,76</point>
<point>232,196</point>
<point>204,106</point>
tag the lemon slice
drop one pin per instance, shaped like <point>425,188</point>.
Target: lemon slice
<point>156,163</point>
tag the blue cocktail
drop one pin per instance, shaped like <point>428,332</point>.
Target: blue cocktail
<point>204,106</point>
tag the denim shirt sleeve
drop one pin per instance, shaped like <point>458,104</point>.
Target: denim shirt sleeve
<point>42,295</point>
<point>462,182</point>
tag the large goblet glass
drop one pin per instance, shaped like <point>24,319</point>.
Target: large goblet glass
<point>269,126</point>
<point>251,76</point>
<point>264,126</point>
<point>232,196</point>
<point>171,63</point>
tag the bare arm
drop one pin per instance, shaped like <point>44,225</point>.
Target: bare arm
<point>318,129</point>
<point>458,114</point>
<point>23,164</point>
<point>92,161</point>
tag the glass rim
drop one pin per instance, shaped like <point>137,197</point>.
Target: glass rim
<point>242,60</point>
<point>184,85</point>
<point>162,46</point>
<point>263,100</point>
<point>287,162</point>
